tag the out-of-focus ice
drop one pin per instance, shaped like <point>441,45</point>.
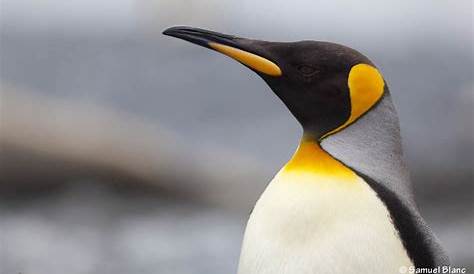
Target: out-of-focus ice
<point>94,229</point>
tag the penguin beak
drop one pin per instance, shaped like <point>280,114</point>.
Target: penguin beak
<point>237,48</point>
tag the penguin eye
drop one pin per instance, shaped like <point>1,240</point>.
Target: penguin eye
<point>307,70</point>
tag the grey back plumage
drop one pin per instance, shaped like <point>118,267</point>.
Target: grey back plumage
<point>372,146</point>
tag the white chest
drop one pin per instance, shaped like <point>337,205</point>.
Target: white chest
<point>305,224</point>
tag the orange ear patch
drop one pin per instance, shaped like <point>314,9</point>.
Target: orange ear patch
<point>366,87</point>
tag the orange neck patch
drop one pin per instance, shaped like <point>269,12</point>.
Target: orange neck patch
<point>311,158</point>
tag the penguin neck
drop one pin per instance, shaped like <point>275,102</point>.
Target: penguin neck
<point>311,158</point>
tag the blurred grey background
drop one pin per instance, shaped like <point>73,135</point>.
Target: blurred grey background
<point>125,151</point>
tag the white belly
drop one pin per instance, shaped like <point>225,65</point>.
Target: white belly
<point>304,224</point>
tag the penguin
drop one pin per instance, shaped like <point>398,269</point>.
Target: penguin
<point>343,203</point>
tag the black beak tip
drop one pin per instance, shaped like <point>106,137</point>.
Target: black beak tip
<point>166,31</point>
<point>197,32</point>
<point>199,36</point>
<point>174,30</point>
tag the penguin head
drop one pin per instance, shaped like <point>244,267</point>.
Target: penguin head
<point>326,86</point>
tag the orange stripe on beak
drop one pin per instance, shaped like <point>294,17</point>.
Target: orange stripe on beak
<point>251,60</point>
